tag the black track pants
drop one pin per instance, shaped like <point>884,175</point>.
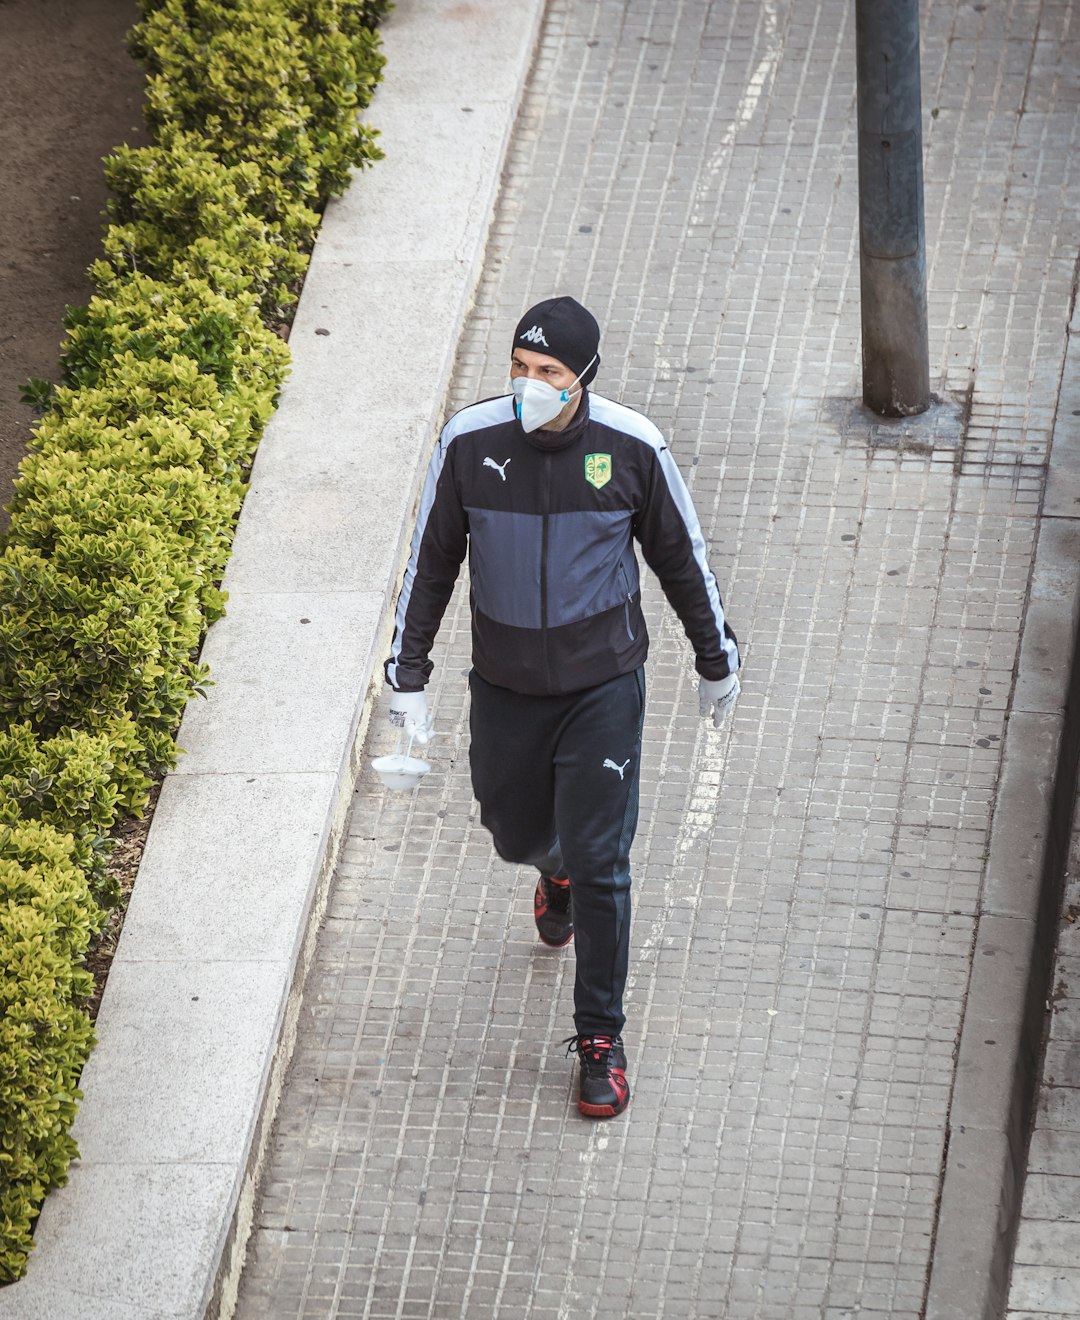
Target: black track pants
<point>557,783</point>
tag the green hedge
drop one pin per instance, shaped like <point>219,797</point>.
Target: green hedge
<point>124,507</point>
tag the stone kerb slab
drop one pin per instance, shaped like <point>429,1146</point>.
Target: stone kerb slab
<point>998,1058</point>
<point>199,1012</point>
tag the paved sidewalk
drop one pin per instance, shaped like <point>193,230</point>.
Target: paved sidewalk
<point>807,883</point>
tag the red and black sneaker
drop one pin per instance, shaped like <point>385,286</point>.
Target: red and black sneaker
<point>605,1091</point>
<point>553,911</point>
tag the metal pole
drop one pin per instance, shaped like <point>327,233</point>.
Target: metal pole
<point>892,236</point>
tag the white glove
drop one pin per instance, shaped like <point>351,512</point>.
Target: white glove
<point>718,695</point>
<point>409,711</point>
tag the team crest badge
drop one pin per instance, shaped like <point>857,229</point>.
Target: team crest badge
<point>598,469</point>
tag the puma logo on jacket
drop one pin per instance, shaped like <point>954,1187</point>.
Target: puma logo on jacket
<point>500,468</point>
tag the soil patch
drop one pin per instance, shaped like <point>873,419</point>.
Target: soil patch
<point>129,839</point>
<point>69,94</point>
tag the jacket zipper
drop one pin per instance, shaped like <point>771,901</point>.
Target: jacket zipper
<point>627,601</point>
<point>544,571</point>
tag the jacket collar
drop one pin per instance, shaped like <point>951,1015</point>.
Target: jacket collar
<point>551,441</point>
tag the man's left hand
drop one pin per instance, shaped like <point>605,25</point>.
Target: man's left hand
<point>718,696</point>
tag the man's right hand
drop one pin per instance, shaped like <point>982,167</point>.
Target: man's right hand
<point>409,711</point>
<point>717,696</point>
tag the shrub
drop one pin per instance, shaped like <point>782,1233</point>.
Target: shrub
<point>46,920</point>
<point>125,504</point>
<point>225,337</point>
<point>278,83</point>
<point>179,214</point>
<point>71,777</point>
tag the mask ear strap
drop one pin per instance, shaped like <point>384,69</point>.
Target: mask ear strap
<point>578,377</point>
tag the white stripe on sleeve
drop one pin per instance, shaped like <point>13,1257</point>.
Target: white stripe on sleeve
<point>490,412</point>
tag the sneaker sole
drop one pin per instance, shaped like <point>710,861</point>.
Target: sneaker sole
<point>556,944</point>
<point>603,1111</point>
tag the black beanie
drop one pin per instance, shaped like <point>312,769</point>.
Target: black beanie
<point>563,329</point>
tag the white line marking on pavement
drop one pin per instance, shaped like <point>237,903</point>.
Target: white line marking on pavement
<point>748,104</point>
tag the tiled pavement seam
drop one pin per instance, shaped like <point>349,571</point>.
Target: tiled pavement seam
<point>808,887</point>
<point>196,1021</point>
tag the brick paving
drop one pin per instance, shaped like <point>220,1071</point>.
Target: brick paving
<point>806,882</point>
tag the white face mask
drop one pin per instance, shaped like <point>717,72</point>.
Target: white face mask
<point>537,403</point>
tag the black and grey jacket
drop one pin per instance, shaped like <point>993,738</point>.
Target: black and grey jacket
<point>549,520</point>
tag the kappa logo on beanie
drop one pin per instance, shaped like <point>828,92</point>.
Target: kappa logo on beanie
<point>565,330</point>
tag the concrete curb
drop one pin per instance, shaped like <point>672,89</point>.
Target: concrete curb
<point>199,1016</point>
<point>998,1064</point>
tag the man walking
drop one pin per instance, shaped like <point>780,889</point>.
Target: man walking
<point>547,488</point>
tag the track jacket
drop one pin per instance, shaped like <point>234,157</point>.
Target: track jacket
<point>548,520</point>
